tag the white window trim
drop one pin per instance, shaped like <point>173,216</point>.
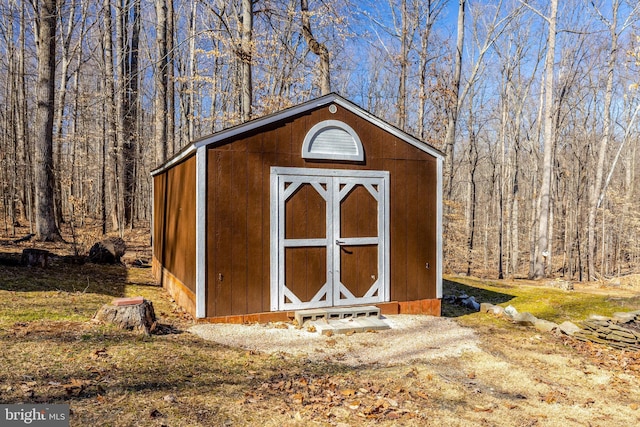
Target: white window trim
<point>324,125</point>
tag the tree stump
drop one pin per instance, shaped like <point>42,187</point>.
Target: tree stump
<point>107,251</point>
<point>133,314</point>
<point>35,257</point>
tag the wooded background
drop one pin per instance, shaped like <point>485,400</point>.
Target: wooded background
<point>535,104</point>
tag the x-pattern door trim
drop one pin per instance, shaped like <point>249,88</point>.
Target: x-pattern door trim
<point>333,186</point>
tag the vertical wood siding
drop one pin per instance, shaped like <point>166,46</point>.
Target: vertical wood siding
<point>174,221</point>
<point>238,215</point>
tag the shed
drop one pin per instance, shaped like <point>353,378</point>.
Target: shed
<point>319,205</point>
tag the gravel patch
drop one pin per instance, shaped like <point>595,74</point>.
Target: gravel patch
<point>411,338</point>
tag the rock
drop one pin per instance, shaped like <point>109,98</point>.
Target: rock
<point>568,328</point>
<point>471,303</point>
<point>624,317</point>
<point>497,310</point>
<point>545,325</point>
<point>451,299</point>
<point>108,251</point>
<point>599,317</point>
<point>525,319</point>
<point>134,314</point>
<point>510,311</point>
<point>486,307</point>
<point>561,284</point>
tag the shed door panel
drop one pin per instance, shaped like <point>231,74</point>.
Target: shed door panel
<point>305,241</point>
<point>329,237</point>
<point>360,228</point>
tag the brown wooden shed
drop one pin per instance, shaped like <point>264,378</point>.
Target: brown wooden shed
<point>319,205</point>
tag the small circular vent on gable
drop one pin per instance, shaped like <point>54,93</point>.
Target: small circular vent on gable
<point>332,140</point>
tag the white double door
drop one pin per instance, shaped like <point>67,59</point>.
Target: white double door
<point>329,237</point>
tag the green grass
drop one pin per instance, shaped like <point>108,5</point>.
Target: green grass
<point>542,301</point>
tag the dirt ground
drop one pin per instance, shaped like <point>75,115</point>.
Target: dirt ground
<point>467,370</point>
<point>504,375</point>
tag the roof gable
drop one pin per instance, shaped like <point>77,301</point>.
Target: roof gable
<point>225,135</point>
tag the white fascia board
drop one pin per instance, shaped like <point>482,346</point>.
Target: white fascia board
<point>187,152</point>
<point>240,129</point>
<point>264,121</point>
<point>391,129</point>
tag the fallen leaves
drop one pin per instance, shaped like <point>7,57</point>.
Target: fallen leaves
<point>606,357</point>
<point>336,397</point>
<point>75,386</point>
<point>100,354</point>
<point>483,408</point>
<point>348,392</point>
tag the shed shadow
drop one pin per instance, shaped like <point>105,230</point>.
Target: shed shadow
<point>453,288</point>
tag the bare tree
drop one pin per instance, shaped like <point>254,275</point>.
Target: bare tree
<point>47,15</point>
<point>455,101</point>
<point>544,195</point>
<point>111,105</point>
<point>317,48</point>
<point>433,10</point>
<point>246,41</point>
<point>161,82</point>
<point>495,27</point>
<point>594,194</point>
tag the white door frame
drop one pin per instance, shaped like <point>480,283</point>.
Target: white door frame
<point>327,183</point>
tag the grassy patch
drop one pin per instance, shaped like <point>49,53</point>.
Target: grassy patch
<point>542,301</point>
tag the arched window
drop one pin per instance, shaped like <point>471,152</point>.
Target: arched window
<point>332,140</point>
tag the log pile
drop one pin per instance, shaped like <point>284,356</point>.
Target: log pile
<point>623,335</point>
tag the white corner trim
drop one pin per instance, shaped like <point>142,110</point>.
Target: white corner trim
<point>201,235</point>
<point>439,208</point>
<point>274,231</point>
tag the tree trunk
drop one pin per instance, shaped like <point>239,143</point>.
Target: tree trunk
<point>452,114</point>
<point>170,102</point>
<point>544,195</point>
<point>317,48</point>
<point>46,229</point>
<point>161,139</point>
<point>21,129</point>
<point>130,107</point>
<point>191,113</point>
<point>404,66</point>
<point>108,189</point>
<point>433,9</point>
<point>245,59</point>
<point>59,111</point>
<point>135,314</point>
<point>602,152</point>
